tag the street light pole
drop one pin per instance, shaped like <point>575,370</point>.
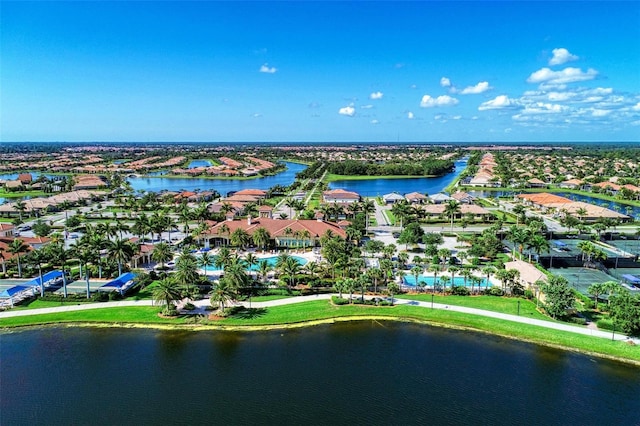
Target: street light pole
<point>518,308</point>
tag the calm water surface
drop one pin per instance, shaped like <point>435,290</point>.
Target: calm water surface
<point>358,373</point>
<point>380,187</point>
<point>223,186</point>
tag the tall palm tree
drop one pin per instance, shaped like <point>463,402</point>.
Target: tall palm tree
<point>375,274</point>
<point>488,271</point>
<point>452,271</point>
<point>240,238</point>
<point>60,255</point>
<point>39,257</point>
<point>3,260</point>
<point>121,251</point>
<point>435,268</point>
<point>16,248</point>
<point>166,292</point>
<point>223,293</point>
<point>86,254</point>
<point>161,253</point>
<point>451,209</point>
<point>261,238</point>
<point>224,230</point>
<point>291,268</point>
<point>416,271</point>
<point>368,207</point>
<point>204,261</point>
<point>263,269</point>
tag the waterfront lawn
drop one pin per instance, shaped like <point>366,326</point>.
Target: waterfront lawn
<point>324,310</point>
<point>504,305</point>
<point>20,194</point>
<point>38,303</point>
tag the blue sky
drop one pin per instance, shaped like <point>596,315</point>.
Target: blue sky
<point>320,71</point>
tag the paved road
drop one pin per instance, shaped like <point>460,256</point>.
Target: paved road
<point>201,304</point>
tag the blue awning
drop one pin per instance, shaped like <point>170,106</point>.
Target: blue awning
<point>12,291</point>
<point>121,281</point>
<point>631,278</point>
<point>559,244</point>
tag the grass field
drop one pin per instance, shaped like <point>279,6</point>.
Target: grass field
<point>323,310</point>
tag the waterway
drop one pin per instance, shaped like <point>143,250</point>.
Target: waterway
<point>199,163</point>
<point>340,374</point>
<point>381,186</point>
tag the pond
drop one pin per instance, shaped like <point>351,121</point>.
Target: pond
<point>199,163</point>
<point>341,374</point>
<point>382,186</point>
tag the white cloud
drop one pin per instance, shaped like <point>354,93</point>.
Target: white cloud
<point>560,56</point>
<point>257,115</point>
<point>636,107</point>
<point>413,86</point>
<point>444,100</point>
<point>410,115</point>
<point>376,95</point>
<point>600,112</point>
<point>456,117</point>
<point>500,102</point>
<point>374,121</point>
<point>481,87</point>
<point>445,82</point>
<point>349,111</point>
<point>547,77</point>
<point>368,106</point>
<point>267,69</point>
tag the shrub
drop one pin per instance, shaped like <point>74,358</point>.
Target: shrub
<point>528,294</point>
<point>459,290</point>
<point>605,324</point>
<point>495,291</point>
<point>189,306</point>
<point>578,320</point>
<point>339,300</point>
<point>99,296</point>
<point>114,295</point>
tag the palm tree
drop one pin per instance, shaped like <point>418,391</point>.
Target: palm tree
<point>161,253</point>
<point>58,253</point>
<point>416,271</point>
<point>291,268</point>
<point>451,209</point>
<point>435,268</point>
<point>519,237</point>
<point>240,238</point>
<point>452,271</point>
<point>38,257</point>
<point>362,283</point>
<point>263,270</point>
<point>261,238</point>
<point>166,292</point>
<point>539,244</point>
<point>401,210</point>
<point>375,274</point>
<point>223,258</point>
<point>488,271</point>
<point>368,207</point>
<point>141,226</point>
<point>17,247</point>
<point>392,289</point>
<point>223,293</point>
<point>467,273</point>
<point>224,230</point>
<point>596,289</point>
<point>121,251</point>
<point>204,261</point>
<point>86,254</point>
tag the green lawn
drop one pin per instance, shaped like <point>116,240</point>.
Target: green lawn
<point>324,310</point>
<point>505,305</point>
<point>37,304</point>
<point>21,194</point>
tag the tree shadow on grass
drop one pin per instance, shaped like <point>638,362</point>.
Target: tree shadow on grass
<point>248,313</point>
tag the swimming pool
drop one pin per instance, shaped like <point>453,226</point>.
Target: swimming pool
<point>271,261</point>
<point>410,280</point>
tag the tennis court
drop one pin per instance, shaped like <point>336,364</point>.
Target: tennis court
<point>582,278</point>
<point>568,247</point>
<point>629,246</point>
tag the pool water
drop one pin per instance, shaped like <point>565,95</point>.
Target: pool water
<point>270,260</point>
<point>410,280</point>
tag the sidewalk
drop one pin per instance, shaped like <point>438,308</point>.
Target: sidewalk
<point>201,304</point>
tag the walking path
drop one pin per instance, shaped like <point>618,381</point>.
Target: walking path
<point>201,304</point>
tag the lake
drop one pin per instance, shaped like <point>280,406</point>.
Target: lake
<point>382,186</point>
<point>340,374</point>
<point>223,186</point>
